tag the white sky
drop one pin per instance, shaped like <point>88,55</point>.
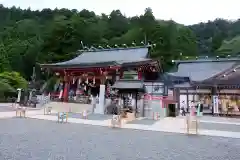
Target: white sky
<point>182,11</point>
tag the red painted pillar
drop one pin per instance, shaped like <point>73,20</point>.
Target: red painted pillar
<point>121,74</point>
<point>139,75</point>
<point>66,89</point>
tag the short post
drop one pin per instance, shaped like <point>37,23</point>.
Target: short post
<point>20,112</point>
<point>192,124</point>
<point>47,110</point>
<point>62,116</point>
<point>58,117</point>
<point>187,123</point>
<point>66,117</point>
<point>84,114</point>
<point>116,121</point>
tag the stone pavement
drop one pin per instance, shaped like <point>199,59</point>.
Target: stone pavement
<point>33,139</point>
<point>213,126</point>
<point>174,125</point>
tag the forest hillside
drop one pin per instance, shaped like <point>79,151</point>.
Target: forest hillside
<point>30,37</point>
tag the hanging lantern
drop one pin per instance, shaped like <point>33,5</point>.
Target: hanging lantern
<point>86,80</point>
<point>73,82</point>
<point>105,73</point>
<point>79,80</point>
<point>94,80</point>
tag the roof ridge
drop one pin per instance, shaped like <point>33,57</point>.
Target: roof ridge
<point>222,73</point>
<point>207,60</point>
<point>113,49</point>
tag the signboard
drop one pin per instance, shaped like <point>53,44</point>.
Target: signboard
<point>215,104</point>
<point>155,105</point>
<point>156,88</point>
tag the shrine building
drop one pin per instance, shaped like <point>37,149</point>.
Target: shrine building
<point>98,66</point>
<point>213,82</point>
<point>95,68</point>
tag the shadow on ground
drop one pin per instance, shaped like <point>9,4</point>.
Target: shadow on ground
<point>143,121</point>
<point>96,117</point>
<point>10,109</point>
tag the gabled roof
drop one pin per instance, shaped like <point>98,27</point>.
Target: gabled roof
<point>200,70</point>
<point>230,76</point>
<point>115,56</point>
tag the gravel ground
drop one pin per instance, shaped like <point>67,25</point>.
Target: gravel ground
<point>221,127</point>
<point>218,119</point>
<point>9,109</point>
<point>30,139</point>
<point>6,109</point>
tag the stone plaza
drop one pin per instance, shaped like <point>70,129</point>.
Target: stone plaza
<point>40,137</point>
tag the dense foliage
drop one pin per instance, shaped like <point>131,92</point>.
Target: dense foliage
<point>219,37</point>
<point>9,82</point>
<point>30,37</point>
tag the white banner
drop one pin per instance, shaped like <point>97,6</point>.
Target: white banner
<point>215,104</point>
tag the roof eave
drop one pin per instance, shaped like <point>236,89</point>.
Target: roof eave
<point>207,60</point>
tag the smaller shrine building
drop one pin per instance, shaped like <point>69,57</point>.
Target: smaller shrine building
<point>213,82</point>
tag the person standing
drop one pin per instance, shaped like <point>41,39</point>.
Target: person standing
<point>182,108</point>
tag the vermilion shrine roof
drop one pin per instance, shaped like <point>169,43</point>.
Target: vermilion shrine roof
<point>105,57</point>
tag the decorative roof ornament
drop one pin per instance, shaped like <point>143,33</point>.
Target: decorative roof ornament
<point>152,45</point>
<point>124,45</point>
<point>133,43</point>
<point>82,44</point>
<point>85,48</point>
<point>116,46</point>
<point>108,46</point>
<point>100,47</point>
<point>92,48</point>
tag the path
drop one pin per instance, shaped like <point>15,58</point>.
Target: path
<point>214,126</point>
<point>164,125</point>
<point>27,139</point>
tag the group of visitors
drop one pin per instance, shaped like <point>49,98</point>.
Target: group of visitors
<point>193,108</point>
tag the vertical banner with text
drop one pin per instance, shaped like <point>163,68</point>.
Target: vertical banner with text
<point>215,104</point>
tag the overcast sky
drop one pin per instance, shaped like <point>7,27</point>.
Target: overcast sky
<point>182,11</point>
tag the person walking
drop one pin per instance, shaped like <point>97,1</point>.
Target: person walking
<point>200,109</point>
<point>182,109</point>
